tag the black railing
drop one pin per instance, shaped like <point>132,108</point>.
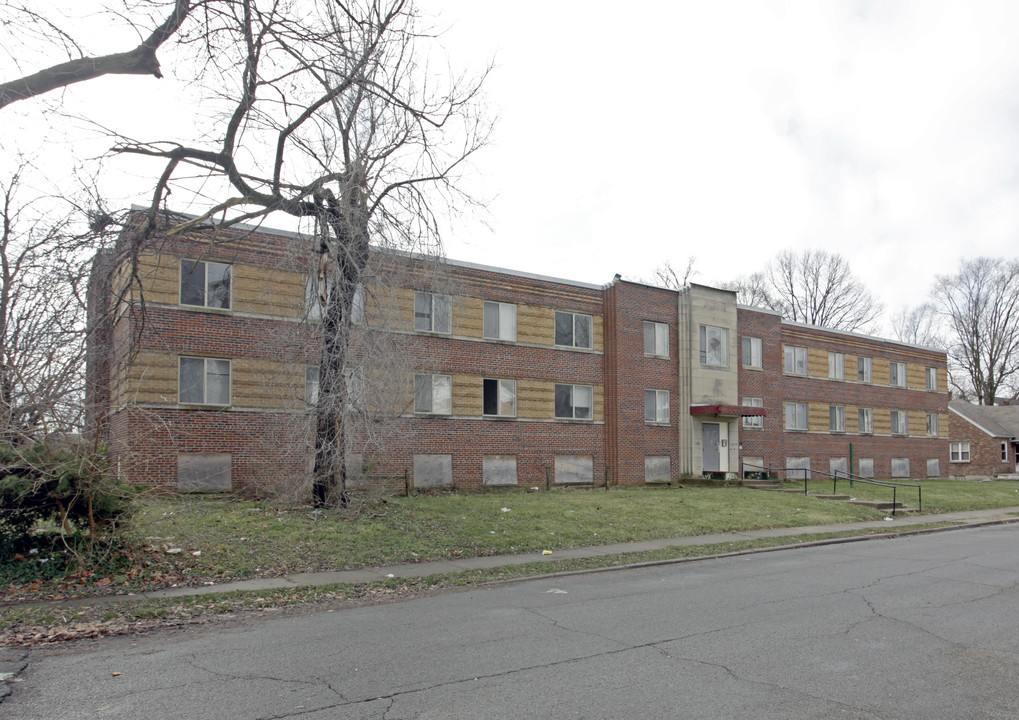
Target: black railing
<point>840,475</point>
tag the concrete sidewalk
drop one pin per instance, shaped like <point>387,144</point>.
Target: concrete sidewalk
<point>434,567</point>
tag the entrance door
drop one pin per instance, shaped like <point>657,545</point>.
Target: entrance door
<point>710,436</point>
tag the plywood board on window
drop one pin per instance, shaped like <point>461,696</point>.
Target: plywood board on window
<point>817,363</point>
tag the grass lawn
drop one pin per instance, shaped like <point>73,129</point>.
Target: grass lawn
<point>939,496</point>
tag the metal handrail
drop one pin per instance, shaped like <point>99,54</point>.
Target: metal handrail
<point>852,478</point>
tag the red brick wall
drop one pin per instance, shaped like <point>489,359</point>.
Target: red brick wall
<point>985,451</point>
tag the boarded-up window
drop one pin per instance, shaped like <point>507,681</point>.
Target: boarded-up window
<point>657,469</point>
<point>753,467</point>
<point>933,468</point>
<point>206,472</point>
<point>572,469</point>
<point>866,467</point>
<point>797,468</point>
<point>499,469</point>
<point>433,470</point>
<point>900,467</point>
<point>838,466</point>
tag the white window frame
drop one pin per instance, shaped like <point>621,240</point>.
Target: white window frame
<point>503,388</point>
<point>794,357</point>
<point>711,333</point>
<point>897,374</point>
<point>586,413</point>
<point>800,411</point>
<point>753,421</point>
<point>752,353</point>
<point>865,424</point>
<point>837,418</point>
<point>656,407</point>
<point>958,452</point>
<point>864,369</point>
<point>189,267</point>
<point>656,339</point>
<point>505,321</point>
<point>900,422</point>
<point>207,370</point>
<point>836,366</point>
<point>931,376</point>
<point>439,315</point>
<point>932,424</point>
<point>311,385</point>
<point>560,316</point>
<point>1004,451</point>
<point>439,395</point>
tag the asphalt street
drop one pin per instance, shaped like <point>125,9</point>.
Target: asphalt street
<point>913,627</point>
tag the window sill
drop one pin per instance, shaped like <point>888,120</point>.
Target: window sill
<point>433,332</point>
<point>579,421</point>
<point>656,357</point>
<point>202,406</point>
<point>656,423</point>
<point>499,417</point>
<point>202,308</point>
<point>435,415</point>
<point>758,368</point>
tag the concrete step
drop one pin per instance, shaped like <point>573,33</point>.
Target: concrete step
<point>833,497</point>
<point>880,504</point>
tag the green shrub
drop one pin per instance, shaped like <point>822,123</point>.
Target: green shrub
<point>65,488</point>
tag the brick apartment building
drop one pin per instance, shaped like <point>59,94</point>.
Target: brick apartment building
<point>983,441</point>
<point>203,374</point>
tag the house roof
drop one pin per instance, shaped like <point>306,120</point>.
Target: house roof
<point>995,420</point>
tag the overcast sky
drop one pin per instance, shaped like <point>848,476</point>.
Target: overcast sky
<point>636,133</point>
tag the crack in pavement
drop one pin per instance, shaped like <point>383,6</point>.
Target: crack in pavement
<point>13,662</point>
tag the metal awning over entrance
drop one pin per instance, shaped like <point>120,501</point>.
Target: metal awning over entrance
<point>728,410</point>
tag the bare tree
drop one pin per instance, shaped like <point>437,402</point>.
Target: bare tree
<point>27,24</point>
<point>666,276</point>
<point>980,306</point>
<point>814,287</point>
<point>42,315</point>
<point>338,117</point>
<point>919,325</point>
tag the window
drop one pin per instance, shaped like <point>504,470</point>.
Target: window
<point>433,394</point>
<point>500,321</point>
<point>574,402</point>
<point>1004,451</point>
<point>204,381</point>
<point>958,452</point>
<point>714,346</point>
<point>866,421</point>
<point>836,366</point>
<point>795,360</point>
<point>900,422</point>
<point>836,418</point>
<point>311,385</point>
<point>753,421</point>
<point>433,313</point>
<point>863,370</point>
<point>932,424</point>
<point>573,330</point>
<point>500,397</point>
<point>795,416</point>
<point>752,353</point>
<point>656,406</point>
<point>932,378</point>
<point>897,374</point>
<point>205,284</point>
<point>656,339</point>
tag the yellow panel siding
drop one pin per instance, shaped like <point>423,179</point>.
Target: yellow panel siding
<point>851,371</point>
<point>598,340</point>
<point>817,363</point>
<point>882,420</point>
<point>159,276</point>
<point>852,419</point>
<point>535,325</point>
<point>535,398</point>
<point>467,395</point>
<point>267,384</point>
<point>268,291</point>
<point>404,316</point>
<point>599,403</point>
<point>943,420</point>
<point>879,375</point>
<point>817,415</point>
<point>916,423</point>
<point>916,377</point>
<point>150,378</point>
<point>468,316</point>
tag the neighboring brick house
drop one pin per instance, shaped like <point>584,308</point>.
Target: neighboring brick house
<point>506,378</point>
<point>983,440</point>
